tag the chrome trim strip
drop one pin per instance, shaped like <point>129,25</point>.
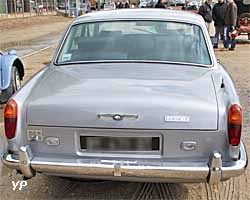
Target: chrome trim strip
<point>117,116</point>
<point>235,168</point>
<point>207,39</point>
<point>94,168</point>
<point>132,61</point>
<point>214,164</point>
<point>25,157</point>
<point>157,154</point>
<point>10,161</point>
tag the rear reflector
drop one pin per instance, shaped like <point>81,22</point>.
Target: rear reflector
<point>10,119</point>
<point>234,124</point>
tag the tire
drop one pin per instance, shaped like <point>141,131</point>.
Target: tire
<point>14,86</point>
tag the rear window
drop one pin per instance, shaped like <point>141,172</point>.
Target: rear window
<point>135,41</point>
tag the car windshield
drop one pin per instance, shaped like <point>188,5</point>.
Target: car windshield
<point>135,41</point>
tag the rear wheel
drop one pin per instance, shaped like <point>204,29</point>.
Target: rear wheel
<point>13,87</point>
<point>16,80</point>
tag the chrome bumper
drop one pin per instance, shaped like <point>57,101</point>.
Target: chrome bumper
<point>212,171</point>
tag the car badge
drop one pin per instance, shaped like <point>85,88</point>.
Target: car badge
<point>118,117</point>
<point>176,118</point>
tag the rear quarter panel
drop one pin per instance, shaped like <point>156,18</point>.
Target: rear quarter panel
<point>20,97</point>
<point>226,96</point>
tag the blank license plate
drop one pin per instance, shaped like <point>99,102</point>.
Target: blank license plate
<point>119,144</point>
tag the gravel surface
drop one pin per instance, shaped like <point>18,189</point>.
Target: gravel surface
<point>20,32</point>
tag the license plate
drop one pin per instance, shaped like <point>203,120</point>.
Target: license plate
<point>119,144</point>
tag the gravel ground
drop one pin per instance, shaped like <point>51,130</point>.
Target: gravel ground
<point>19,32</point>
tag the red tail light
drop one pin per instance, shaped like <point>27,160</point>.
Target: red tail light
<point>10,119</point>
<point>234,124</point>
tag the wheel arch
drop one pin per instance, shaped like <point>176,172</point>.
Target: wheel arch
<point>8,61</point>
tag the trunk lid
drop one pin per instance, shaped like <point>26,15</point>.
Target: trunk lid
<point>163,96</point>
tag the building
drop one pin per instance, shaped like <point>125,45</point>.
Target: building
<point>17,6</point>
<point>11,6</point>
<point>3,6</point>
<point>75,8</point>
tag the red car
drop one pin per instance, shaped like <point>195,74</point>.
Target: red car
<point>243,17</point>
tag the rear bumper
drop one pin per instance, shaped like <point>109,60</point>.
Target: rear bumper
<point>212,171</point>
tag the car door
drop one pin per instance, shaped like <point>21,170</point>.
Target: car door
<point>1,55</point>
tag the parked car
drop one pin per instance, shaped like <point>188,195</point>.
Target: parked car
<point>147,3</point>
<point>61,6</point>
<point>109,6</point>
<point>143,4</point>
<point>193,5</point>
<point>243,22</point>
<point>128,98</point>
<point>11,74</point>
<point>172,2</point>
<point>180,2</point>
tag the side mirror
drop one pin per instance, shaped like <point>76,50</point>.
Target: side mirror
<point>12,52</point>
<point>214,40</point>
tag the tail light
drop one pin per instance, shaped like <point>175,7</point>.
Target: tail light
<point>234,124</point>
<point>10,119</point>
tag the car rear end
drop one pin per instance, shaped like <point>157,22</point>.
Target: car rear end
<point>129,155</point>
<point>79,138</point>
<point>115,115</point>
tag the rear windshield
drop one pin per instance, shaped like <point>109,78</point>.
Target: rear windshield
<point>135,41</point>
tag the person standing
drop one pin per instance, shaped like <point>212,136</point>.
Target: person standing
<point>218,13</point>
<point>160,4</point>
<point>230,25</point>
<point>127,4</point>
<point>206,12</point>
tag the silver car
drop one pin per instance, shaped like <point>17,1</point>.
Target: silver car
<point>133,95</point>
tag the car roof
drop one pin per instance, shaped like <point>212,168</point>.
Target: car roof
<point>141,14</point>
